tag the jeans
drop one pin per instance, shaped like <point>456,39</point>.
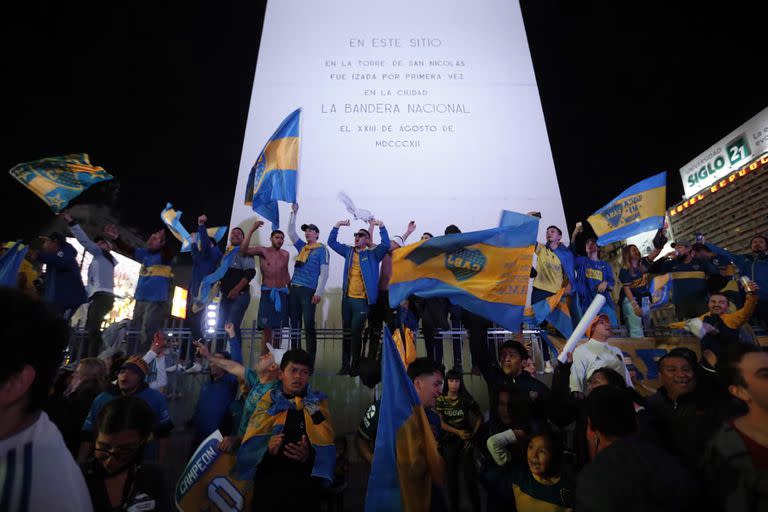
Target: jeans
<point>434,317</point>
<point>233,310</point>
<point>302,313</point>
<point>381,313</point>
<point>354,312</point>
<point>148,318</point>
<point>634,322</point>
<point>101,304</point>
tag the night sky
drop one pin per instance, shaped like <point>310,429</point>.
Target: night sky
<point>158,96</point>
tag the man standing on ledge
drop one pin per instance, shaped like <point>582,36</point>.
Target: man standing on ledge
<point>153,289</point>
<point>235,285</point>
<point>273,262</point>
<point>361,288</point>
<point>310,274</point>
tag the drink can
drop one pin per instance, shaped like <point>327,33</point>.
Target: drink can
<point>745,284</point>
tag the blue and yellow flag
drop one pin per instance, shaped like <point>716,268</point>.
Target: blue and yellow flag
<point>486,272</point>
<point>208,286</point>
<point>274,175</point>
<point>172,220</point>
<point>660,288</point>
<point>10,262</point>
<point>60,179</point>
<point>405,458</point>
<point>638,209</point>
<point>556,310</point>
<point>207,483</point>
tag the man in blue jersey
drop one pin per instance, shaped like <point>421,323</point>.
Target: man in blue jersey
<point>153,289</point>
<point>310,274</point>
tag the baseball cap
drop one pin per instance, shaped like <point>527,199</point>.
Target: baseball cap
<point>398,240</point>
<point>305,227</point>
<point>277,353</point>
<point>594,321</point>
<point>136,364</point>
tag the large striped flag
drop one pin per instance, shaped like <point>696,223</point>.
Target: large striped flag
<point>273,177</point>
<point>405,456</point>
<point>485,272</point>
<point>60,179</point>
<point>638,209</point>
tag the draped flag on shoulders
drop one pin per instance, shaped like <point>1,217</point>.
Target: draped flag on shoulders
<point>273,177</point>
<point>10,262</point>
<point>208,286</point>
<point>60,179</point>
<point>660,290</point>
<point>172,220</point>
<point>406,449</point>
<point>485,272</point>
<point>638,209</point>
<point>207,482</point>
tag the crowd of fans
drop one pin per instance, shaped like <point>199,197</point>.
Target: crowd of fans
<point>592,440</point>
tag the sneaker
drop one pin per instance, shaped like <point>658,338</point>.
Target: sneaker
<point>173,368</point>
<point>344,371</point>
<point>548,367</point>
<point>195,368</point>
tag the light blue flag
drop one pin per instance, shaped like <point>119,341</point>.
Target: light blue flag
<point>10,263</point>
<point>404,439</point>
<point>273,177</point>
<point>486,272</point>
<point>60,179</point>
<point>172,219</point>
<point>638,209</point>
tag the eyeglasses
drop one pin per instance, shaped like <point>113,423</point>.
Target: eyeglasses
<point>120,452</point>
<point>361,235</point>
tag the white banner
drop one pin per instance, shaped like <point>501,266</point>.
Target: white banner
<point>732,152</point>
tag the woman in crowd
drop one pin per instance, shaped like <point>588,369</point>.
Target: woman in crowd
<point>633,277</point>
<point>69,409</point>
<point>538,482</point>
<point>115,476</point>
<point>460,421</point>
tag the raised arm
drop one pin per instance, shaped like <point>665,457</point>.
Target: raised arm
<point>333,243</point>
<point>410,229</point>
<point>202,236</point>
<point>76,230</point>
<point>382,249</point>
<point>228,365</point>
<point>245,246</point>
<point>293,235</point>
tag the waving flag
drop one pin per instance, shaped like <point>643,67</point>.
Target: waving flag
<point>638,209</point>
<point>404,442</point>
<point>59,179</point>
<point>10,262</point>
<point>172,220</point>
<point>485,272</point>
<point>556,310</point>
<point>273,177</point>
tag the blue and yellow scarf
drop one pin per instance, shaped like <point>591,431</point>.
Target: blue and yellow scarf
<point>269,419</point>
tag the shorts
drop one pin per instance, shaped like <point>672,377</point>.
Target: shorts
<point>268,317</point>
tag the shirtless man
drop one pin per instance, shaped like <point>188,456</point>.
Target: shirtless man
<point>273,262</point>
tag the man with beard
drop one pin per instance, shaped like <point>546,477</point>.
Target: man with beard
<point>273,263</point>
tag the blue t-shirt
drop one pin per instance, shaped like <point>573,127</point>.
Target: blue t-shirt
<point>307,274</point>
<point>151,288</point>
<point>590,273</point>
<point>213,403</point>
<point>152,397</point>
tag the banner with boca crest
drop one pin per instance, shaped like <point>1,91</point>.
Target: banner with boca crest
<point>638,209</point>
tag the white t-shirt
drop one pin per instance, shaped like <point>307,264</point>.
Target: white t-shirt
<point>37,472</point>
<point>592,355</point>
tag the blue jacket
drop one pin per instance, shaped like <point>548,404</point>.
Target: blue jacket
<point>590,273</point>
<point>754,266</point>
<point>369,262</point>
<point>204,260</point>
<point>63,284</point>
